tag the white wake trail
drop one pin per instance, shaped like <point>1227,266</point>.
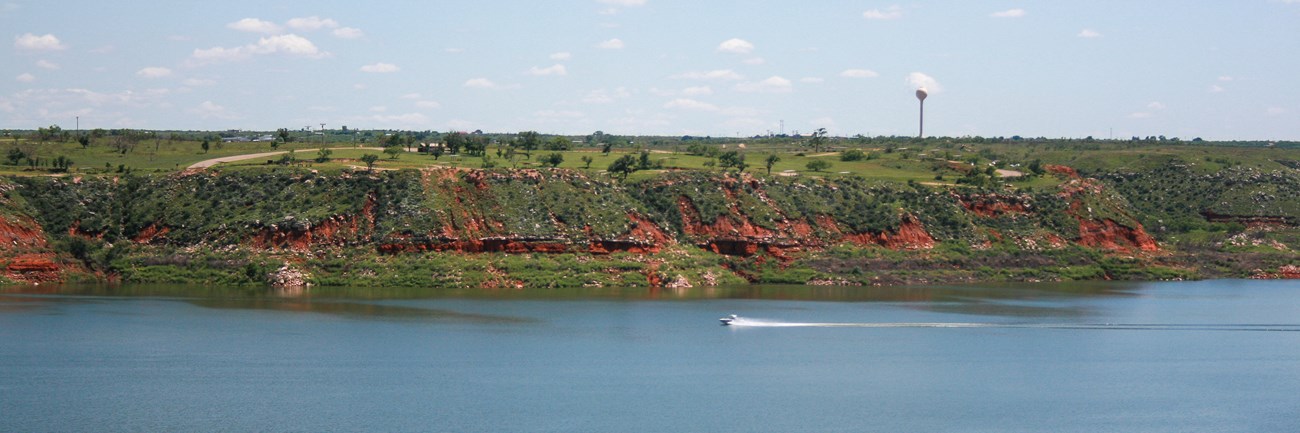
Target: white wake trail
<point>763,323</point>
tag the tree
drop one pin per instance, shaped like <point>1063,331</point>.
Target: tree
<point>553,160</point>
<point>393,152</point>
<point>818,165</point>
<point>283,134</point>
<point>606,147</point>
<point>436,151</point>
<point>15,155</point>
<point>528,141</point>
<point>771,160</point>
<point>84,140</point>
<point>205,145</point>
<point>852,155</point>
<point>454,141</point>
<point>370,160</point>
<point>323,155</point>
<point>587,159</point>
<point>819,139</point>
<point>732,159</point>
<point>624,165</point>
<point>558,143</point>
<point>62,163</point>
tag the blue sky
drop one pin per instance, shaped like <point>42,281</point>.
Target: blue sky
<point>1212,69</point>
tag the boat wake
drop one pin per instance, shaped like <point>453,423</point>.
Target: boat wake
<point>761,323</point>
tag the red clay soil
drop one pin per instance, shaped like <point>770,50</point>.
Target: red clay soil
<point>1109,235</point>
<point>151,233</point>
<point>1061,170</point>
<point>21,233</point>
<point>993,206</point>
<point>911,235</point>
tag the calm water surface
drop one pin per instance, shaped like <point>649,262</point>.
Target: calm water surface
<point>1212,356</point>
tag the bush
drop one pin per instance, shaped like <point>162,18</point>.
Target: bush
<point>852,155</point>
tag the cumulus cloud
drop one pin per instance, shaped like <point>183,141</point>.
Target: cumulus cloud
<point>1215,88</point>
<point>612,44</point>
<point>623,3</point>
<point>25,78</point>
<point>199,82</point>
<point>290,44</point>
<point>380,68</point>
<point>46,64</point>
<point>918,80</point>
<point>697,91</point>
<point>889,13</point>
<point>348,33</point>
<point>480,83</point>
<point>556,69</point>
<point>690,104</point>
<point>859,73</point>
<point>31,42</point>
<point>754,61</point>
<point>717,74</point>
<point>603,96</point>
<point>428,104</point>
<point>772,84</point>
<point>254,25</point>
<point>736,46</point>
<point>1009,13</point>
<point>154,72</point>
<point>312,23</point>
<point>563,55</point>
<point>1088,34</point>
<point>210,110</point>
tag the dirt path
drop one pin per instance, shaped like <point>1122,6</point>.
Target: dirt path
<point>214,161</point>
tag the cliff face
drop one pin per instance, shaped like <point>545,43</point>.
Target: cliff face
<point>545,211</point>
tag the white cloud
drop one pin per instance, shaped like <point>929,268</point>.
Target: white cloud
<point>412,96</point>
<point>772,84</point>
<point>602,96</point>
<point>480,83</point>
<point>1088,33</point>
<point>1139,115</point>
<point>812,80</point>
<point>690,104</point>
<point>30,42</point>
<point>559,114</point>
<point>380,68</point>
<point>1215,88</point>
<point>348,33</point>
<point>697,91</point>
<point>378,109</point>
<point>254,25</point>
<point>1275,111</point>
<point>25,78</point>
<point>624,3</point>
<point>407,120</point>
<point>199,82</point>
<point>428,104</point>
<point>1009,13</point>
<point>917,80</point>
<point>754,61</point>
<point>890,13</point>
<point>154,72</point>
<point>717,74</point>
<point>210,110</point>
<point>556,69</point>
<point>859,73</point>
<point>290,44</point>
<point>1226,78</point>
<point>312,23</point>
<point>612,44</point>
<point>563,55</point>
<point>1156,105</point>
<point>736,46</point>
<point>46,64</point>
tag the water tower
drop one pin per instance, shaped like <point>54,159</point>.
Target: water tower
<point>920,95</point>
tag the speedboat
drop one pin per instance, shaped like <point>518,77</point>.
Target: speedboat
<point>727,320</point>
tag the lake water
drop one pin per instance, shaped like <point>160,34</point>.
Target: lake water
<point>1210,356</point>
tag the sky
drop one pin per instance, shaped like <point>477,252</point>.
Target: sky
<point>1182,68</point>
